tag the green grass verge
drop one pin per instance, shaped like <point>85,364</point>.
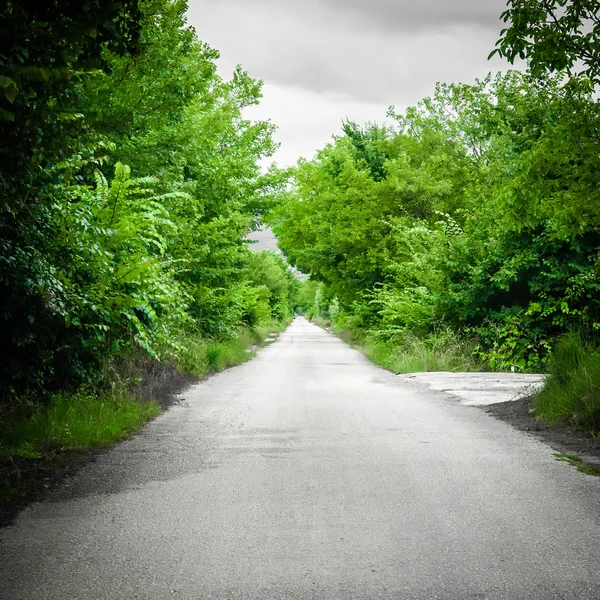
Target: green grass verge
<point>38,442</point>
<point>414,355</point>
<point>85,420</point>
<point>201,357</point>
<point>565,457</point>
<point>71,422</point>
<point>571,394</point>
<point>444,351</point>
<point>588,470</point>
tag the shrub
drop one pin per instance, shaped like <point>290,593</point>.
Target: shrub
<point>572,391</point>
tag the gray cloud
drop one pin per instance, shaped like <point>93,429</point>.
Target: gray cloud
<point>398,15</point>
<point>390,15</point>
<point>316,47</point>
<point>323,60</point>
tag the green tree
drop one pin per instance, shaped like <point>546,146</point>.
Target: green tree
<point>131,194</point>
<point>485,219</point>
<point>553,35</point>
<point>45,48</point>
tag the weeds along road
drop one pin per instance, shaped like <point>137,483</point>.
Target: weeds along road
<point>310,473</point>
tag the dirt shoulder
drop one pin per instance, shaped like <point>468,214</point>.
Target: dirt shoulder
<point>564,440</point>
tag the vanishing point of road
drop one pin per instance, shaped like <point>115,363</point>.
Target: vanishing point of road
<point>309,473</point>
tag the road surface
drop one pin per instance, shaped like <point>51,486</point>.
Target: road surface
<point>309,473</point>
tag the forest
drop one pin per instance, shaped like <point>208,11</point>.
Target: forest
<point>464,236</point>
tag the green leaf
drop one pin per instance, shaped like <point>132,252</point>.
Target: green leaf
<point>9,88</point>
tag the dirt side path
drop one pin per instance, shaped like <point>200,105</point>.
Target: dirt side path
<point>563,439</point>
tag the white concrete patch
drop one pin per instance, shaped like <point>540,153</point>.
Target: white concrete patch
<point>479,389</point>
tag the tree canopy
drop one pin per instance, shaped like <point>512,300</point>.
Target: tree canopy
<point>553,35</point>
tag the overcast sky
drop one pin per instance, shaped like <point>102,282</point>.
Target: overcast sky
<point>326,60</point>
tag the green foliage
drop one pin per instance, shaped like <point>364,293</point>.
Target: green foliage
<point>71,422</point>
<point>477,213</point>
<point>444,351</point>
<point>36,433</point>
<point>201,357</point>
<point>130,182</point>
<point>565,457</point>
<point>44,50</point>
<point>572,392</point>
<point>441,350</point>
<point>589,470</point>
<point>553,35</point>
<point>305,297</point>
<point>273,283</point>
<point>124,279</point>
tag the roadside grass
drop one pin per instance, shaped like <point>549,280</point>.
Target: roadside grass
<point>576,461</point>
<point>565,457</point>
<point>323,323</point>
<point>571,394</point>
<point>90,419</point>
<point>588,470</point>
<point>441,351</point>
<point>410,354</point>
<point>39,443</point>
<point>71,422</point>
<point>202,357</point>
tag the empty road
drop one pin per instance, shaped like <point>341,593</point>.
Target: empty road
<point>309,473</point>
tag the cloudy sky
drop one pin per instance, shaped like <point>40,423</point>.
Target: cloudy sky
<point>326,60</point>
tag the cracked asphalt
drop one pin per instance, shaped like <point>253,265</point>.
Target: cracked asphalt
<point>310,473</point>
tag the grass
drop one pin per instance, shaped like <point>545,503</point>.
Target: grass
<point>323,323</point>
<point>564,457</point>
<point>201,357</point>
<point>588,470</point>
<point>443,351</point>
<point>576,461</point>
<point>412,354</point>
<point>571,394</point>
<point>71,422</point>
<point>39,442</point>
<point>86,420</point>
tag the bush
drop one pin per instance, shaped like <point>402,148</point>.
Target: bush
<point>443,350</point>
<point>572,391</point>
<point>201,357</point>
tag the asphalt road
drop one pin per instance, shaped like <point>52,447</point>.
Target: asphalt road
<point>309,473</point>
